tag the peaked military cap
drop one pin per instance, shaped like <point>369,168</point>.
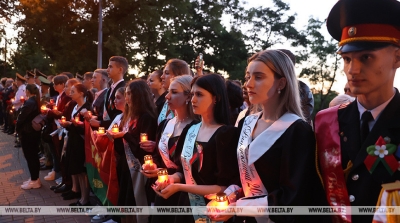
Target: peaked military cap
<point>38,73</point>
<point>20,77</point>
<point>365,24</point>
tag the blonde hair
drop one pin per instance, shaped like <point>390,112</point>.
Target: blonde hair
<point>282,67</point>
<point>185,82</point>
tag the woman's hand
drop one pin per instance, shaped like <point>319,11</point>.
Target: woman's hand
<point>167,191</point>
<point>56,112</point>
<point>76,123</point>
<point>64,124</point>
<point>162,185</point>
<point>94,122</point>
<point>87,115</point>
<point>222,216</point>
<point>148,146</point>
<point>149,172</point>
<point>115,135</point>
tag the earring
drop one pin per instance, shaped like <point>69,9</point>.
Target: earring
<point>279,91</point>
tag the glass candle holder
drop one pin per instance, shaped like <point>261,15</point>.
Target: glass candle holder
<point>143,137</point>
<point>148,160</point>
<point>162,175</point>
<point>22,99</point>
<point>115,128</point>
<point>77,119</point>
<point>101,130</point>
<point>55,108</point>
<point>63,119</point>
<point>89,113</point>
<point>221,201</point>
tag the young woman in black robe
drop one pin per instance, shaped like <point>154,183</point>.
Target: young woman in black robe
<point>138,117</point>
<point>75,150</point>
<point>276,147</point>
<point>168,133</point>
<point>208,163</point>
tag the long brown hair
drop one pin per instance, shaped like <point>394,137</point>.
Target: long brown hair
<point>141,101</point>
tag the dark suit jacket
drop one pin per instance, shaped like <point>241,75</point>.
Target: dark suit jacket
<point>363,185</point>
<point>98,105</point>
<point>110,107</point>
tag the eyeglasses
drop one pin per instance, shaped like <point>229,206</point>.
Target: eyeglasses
<point>347,90</point>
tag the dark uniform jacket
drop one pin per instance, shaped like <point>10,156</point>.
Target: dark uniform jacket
<point>364,187</point>
<point>112,111</point>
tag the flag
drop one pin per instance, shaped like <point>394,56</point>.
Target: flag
<point>101,166</point>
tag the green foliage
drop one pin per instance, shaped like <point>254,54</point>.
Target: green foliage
<point>149,32</point>
<point>320,104</point>
<point>322,62</point>
<point>29,57</point>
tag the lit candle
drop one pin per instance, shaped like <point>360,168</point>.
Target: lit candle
<point>162,175</point>
<point>51,101</point>
<point>11,111</point>
<point>222,201</point>
<point>43,107</point>
<point>12,100</point>
<point>148,160</point>
<point>89,113</point>
<point>22,99</point>
<point>115,128</point>
<point>63,119</point>
<point>143,137</point>
<point>77,118</point>
<point>13,107</point>
<point>101,130</point>
<point>55,107</point>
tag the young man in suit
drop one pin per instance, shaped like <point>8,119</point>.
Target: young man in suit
<point>353,161</point>
<point>117,67</point>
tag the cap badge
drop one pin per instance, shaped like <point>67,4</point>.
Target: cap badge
<point>352,31</point>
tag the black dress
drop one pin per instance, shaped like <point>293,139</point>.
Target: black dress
<point>175,157</point>
<point>75,152</point>
<point>145,124</point>
<point>288,172</point>
<point>219,165</point>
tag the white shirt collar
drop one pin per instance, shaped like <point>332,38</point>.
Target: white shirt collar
<point>116,83</point>
<point>96,95</point>
<point>376,111</point>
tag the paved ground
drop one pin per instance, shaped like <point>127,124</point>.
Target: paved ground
<point>13,171</point>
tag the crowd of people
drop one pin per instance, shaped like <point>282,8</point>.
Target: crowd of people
<point>255,142</point>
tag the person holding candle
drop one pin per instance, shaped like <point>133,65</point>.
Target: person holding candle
<point>29,137</point>
<point>173,68</point>
<point>130,155</point>
<point>208,162</point>
<point>52,114</point>
<point>168,132</point>
<point>20,92</point>
<point>276,147</point>
<point>75,151</point>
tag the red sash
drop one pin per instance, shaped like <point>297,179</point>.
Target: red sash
<point>330,160</point>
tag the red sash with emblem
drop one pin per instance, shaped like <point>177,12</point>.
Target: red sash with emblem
<point>330,160</point>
